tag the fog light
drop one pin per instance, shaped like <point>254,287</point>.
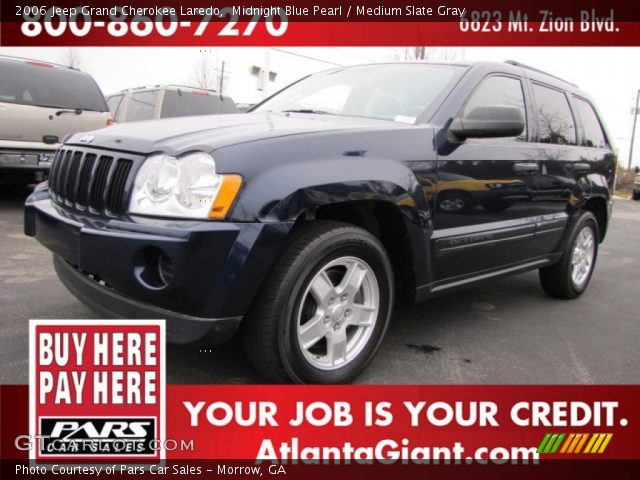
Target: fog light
<point>153,268</point>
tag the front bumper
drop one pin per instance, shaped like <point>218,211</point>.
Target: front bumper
<point>107,263</point>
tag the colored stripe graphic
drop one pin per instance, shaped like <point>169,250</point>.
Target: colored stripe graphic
<point>573,443</point>
<point>569,441</point>
<point>603,447</point>
<point>581,443</point>
<point>543,443</point>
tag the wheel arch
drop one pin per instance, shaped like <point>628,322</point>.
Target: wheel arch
<point>598,207</point>
<point>402,239</point>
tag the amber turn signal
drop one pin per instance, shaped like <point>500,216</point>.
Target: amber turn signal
<point>226,196</point>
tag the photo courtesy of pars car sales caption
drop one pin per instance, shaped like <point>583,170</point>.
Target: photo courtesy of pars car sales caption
<point>316,238</point>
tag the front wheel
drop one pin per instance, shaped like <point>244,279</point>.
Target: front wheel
<point>570,277</point>
<point>323,311</point>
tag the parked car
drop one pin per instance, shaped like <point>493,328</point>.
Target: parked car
<point>40,104</point>
<point>636,187</point>
<point>167,101</point>
<point>301,221</point>
<point>245,107</point>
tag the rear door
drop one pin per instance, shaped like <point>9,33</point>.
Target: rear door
<point>564,160</point>
<point>41,103</point>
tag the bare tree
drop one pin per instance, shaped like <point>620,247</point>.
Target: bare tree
<point>72,58</point>
<point>207,75</point>
<point>426,53</point>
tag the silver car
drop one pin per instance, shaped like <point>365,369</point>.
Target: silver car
<point>167,101</point>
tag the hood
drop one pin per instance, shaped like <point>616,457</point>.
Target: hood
<point>207,133</point>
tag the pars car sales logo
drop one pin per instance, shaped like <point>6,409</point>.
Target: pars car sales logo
<point>97,389</point>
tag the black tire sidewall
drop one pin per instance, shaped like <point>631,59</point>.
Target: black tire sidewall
<point>357,244</point>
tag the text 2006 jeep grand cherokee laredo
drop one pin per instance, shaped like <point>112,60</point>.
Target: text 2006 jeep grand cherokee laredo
<point>302,220</point>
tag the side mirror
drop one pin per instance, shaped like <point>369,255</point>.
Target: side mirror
<point>489,121</point>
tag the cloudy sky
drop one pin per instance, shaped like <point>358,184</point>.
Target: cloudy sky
<point>610,75</point>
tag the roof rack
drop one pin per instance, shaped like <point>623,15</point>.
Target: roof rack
<point>25,59</point>
<point>529,67</point>
<point>143,87</point>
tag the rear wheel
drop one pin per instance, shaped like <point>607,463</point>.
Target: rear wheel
<point>570,277</point>
<point>324,310</point>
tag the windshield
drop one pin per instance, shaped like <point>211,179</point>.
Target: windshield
<point>46,86</point>
<point>398,92</point>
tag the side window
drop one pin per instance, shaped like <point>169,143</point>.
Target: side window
<point>499,90</point>
<point>113,103</point>
<point>593,134</point>
<point>142,105</point>
<point>555,121</point>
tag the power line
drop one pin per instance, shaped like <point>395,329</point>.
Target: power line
<point>307,57</point>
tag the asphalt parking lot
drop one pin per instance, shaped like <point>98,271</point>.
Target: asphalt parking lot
<point>506,331</point>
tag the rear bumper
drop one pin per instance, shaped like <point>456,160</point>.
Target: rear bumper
<point>216,268</point>
<point>19,159</point>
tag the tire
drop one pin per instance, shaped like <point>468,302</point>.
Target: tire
<point>635,195</point>
<point>454,202</point>
<point>563,279</point>
<point>277,337</point>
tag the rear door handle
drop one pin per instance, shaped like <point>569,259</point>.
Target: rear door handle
<point>525,167</point>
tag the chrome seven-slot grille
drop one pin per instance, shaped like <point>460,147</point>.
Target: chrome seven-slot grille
<point>90,180</point>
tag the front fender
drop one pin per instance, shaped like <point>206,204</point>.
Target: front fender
<point>284,192</point>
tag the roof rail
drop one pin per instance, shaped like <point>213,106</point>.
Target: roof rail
<point>24,59</point>
<point>529,67</point>
<point>191,86</point>
<point>144,87</point>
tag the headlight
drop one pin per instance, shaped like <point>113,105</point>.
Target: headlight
<point>183,187</point>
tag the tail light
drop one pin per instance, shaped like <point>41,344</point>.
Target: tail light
<point>110,122</point>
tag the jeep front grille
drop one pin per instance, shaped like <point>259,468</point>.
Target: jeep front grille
<point>91,180</point>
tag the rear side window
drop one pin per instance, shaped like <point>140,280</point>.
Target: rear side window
<point>555,121</point>
<point>28,84</point>
<point>593,134</point>
<point>178,103</point>
<point>114,104</point>
<point>142,105</point>
<point>499,90</point>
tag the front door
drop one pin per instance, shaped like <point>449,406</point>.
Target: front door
<point>484,198</point>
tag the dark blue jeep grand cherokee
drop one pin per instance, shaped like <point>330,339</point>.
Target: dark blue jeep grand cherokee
<point>301,221</point>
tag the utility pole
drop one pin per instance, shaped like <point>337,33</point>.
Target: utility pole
<point>221,79</point>
<point>633,130</point>
<point>265,73</point>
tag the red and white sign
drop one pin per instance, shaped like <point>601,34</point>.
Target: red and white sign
<point>97,389</point>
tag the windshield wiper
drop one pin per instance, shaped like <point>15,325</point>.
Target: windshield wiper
<point>306,110</point>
